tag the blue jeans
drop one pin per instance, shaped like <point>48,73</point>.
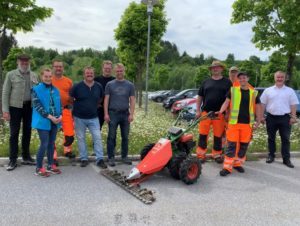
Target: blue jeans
<point>94,127</point>
<point>116,119</point>
<point>47,138</point>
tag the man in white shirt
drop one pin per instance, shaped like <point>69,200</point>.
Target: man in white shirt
<point>280,103</point>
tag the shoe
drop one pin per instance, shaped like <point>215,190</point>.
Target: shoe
<point>93,154</point>
<point>70,155</point>
<point>28,161</point>
<point>240,169</point>
<point>53,169</point>
<point>288,163</point>
<point>101,164</point>
<point>127,161</point>
<point>202,160</point>
<point>42,172</point>
<point>224,172</point>
<point>84,163</point>
<point>111,162</point>
<point>219,160</point>
<point>11,165</point>
<point>270,159</point>
<point>55,162</point>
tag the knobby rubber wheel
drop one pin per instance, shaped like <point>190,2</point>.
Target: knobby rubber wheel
<point>174,166</point>
<point>190,170</point>
<point>145,150</point>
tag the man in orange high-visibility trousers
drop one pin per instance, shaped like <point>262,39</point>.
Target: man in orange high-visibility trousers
<point>64,85</point>
<point>211,95</point>
<point>244,106</point>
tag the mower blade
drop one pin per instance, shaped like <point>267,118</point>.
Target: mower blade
<point>143,194</point>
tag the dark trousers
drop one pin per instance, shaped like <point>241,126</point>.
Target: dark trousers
<point>118,119</point>
<point>101,116</point>
<point>281,124</point>
<point>47,138</point>
<point>18,115</point>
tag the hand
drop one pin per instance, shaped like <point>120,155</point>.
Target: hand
<point>53,119</point>
<point>263,120</point>
<point>107,118</point>
<point>6,116</point>
<point>293,120</point>
<point>198,114</point>
<point>59,119</point>
<point>130,118</point>
<point>256,125</point>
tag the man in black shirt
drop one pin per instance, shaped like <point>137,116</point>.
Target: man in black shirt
<point>211,96</point>
<point>87,95</point>
<point>244,105</point>
<point>103,80</point>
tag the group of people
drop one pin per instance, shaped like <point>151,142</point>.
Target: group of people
<point>55,103</point>
<point>239,112</point>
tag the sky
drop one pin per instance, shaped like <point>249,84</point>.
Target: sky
<point>195,26</point>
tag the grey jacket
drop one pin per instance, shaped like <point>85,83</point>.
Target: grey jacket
<point>14,89</point>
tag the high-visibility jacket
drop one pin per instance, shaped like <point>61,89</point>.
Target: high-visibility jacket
<point>236,97</point>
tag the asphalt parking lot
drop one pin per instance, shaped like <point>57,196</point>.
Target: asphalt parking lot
<point>264,195</point>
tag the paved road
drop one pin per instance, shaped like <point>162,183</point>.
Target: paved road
<point>264,195</point>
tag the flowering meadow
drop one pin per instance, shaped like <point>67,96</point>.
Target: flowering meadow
<point>148,129</point>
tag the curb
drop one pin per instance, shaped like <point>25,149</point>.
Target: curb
<point>4,160</point>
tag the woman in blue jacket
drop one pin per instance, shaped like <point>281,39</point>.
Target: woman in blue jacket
<point>46,118</point>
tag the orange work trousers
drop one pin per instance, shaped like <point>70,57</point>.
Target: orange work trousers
<point>218,126</point>
<point>238,138</point>
<point>67,128</point>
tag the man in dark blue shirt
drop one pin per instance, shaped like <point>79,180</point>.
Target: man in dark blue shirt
<point>87,95</point>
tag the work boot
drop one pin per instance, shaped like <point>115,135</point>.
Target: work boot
<point>202,160</point>
<point>219,160</point>
<point>53,169</point>
<point>127,161</point>
<point>288,163</point>
<point>270,159</point>
<point>11,165</point>
<point>84,163</point>
<point>42,172</point>
<point>101,164</point>
<point>70,155</point>
<point>224,172</point>
<point>111,162</point>
<point>240,169</point>
<point>28,161</point>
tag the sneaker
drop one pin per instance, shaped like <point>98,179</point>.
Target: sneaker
<point>240,169</point>
<point>42,172</point>
<point>127,161</point>
<point>224,172</point>
<point>53,169</point>
<point>111,162</point>
<point>11,165</point>
<point>219,160</point>
<point>28,161</point>
<point>101,164</point>
<point>70,155</point>
<point>84,163</point>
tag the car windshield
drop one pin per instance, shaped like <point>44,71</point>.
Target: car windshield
<point>180,93</point>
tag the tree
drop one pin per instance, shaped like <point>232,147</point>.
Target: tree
<point>131,36</point>
<point>277,25</point>
<point>18,15</point>
<point>230,60</point>
<point>202,74</point>
<point>169,53</point>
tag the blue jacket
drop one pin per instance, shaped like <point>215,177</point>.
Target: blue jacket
<point>43,94</point>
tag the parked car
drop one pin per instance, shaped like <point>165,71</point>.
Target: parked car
<point>188,93</point>
<point>160,97</point>
<point>180,104</point>
<point>150,95</point>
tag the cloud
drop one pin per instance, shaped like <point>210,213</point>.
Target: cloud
<point>195,26</point>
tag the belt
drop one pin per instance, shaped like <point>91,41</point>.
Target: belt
<point>119,111</point>
<point>269,114</point>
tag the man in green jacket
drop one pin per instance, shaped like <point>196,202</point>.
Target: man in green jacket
<point>16,108</point>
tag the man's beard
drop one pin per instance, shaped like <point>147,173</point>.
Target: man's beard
<point>24,70</point>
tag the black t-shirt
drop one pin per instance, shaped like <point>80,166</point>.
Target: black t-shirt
<point>86,99</point>
<point>103,81</point>
<point>214,93</point>
<point>244,116</point>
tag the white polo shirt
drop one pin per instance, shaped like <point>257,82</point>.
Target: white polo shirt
<point>278,101</point>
